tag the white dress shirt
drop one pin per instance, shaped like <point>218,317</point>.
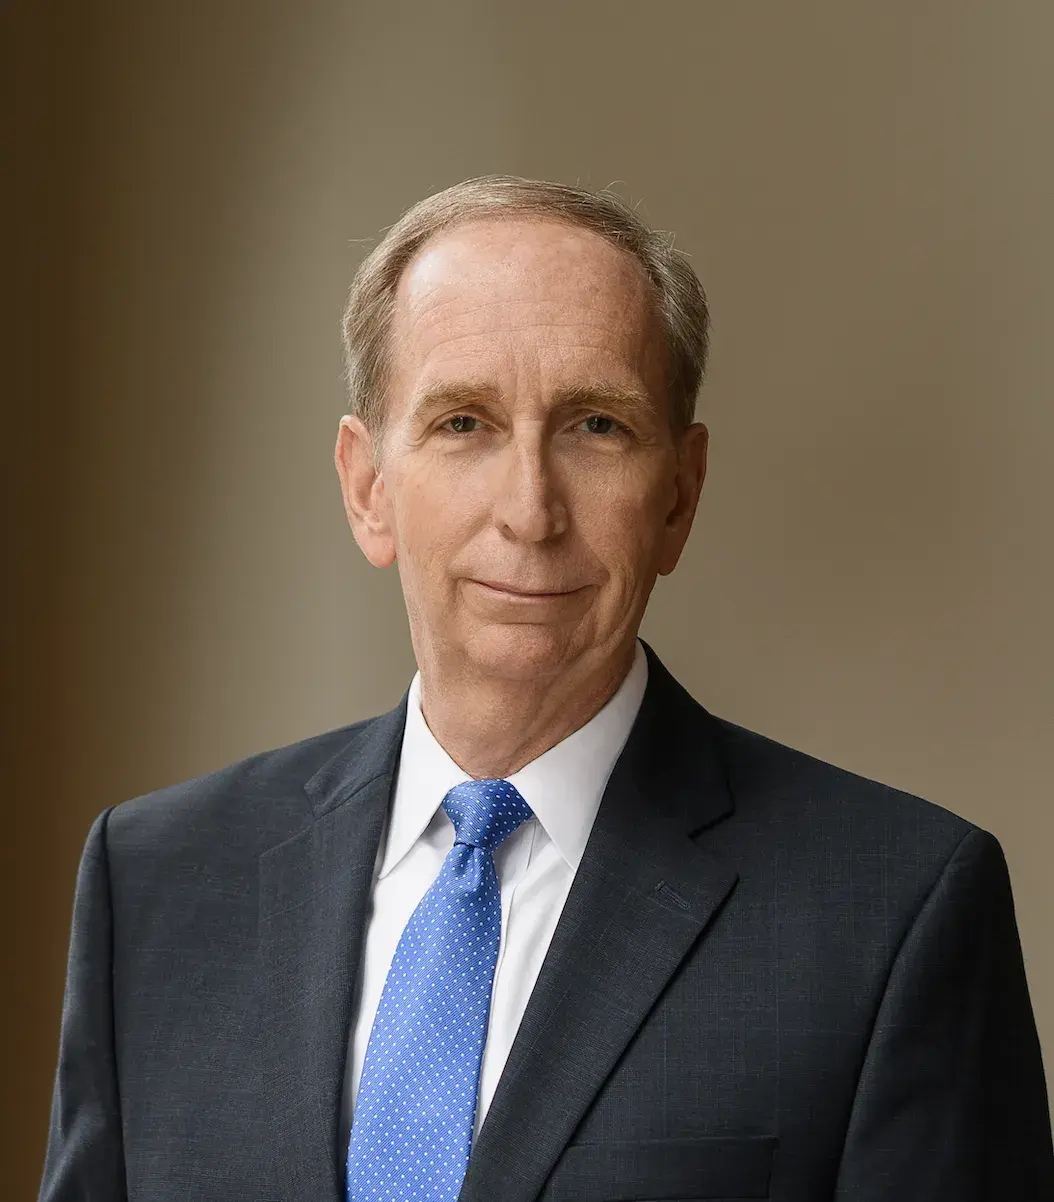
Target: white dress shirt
<point>535,865</point>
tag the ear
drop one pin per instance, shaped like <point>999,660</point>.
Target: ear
<point>691,472</point>
<point>365,500</point>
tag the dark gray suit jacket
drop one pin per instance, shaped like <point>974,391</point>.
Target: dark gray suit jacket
<point>771,979</point>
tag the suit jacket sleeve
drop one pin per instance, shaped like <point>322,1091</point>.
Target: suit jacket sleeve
<point>951,1101</point>
<point>85,1157</point>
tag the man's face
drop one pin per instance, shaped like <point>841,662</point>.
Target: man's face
<point>528,486</point>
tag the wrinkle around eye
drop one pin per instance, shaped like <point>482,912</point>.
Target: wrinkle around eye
<point>618,430</point>
<point>442,428</point>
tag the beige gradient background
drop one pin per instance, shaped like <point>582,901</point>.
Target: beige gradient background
<point>867,190</point>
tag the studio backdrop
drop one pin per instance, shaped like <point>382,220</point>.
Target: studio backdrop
<point>866,191</point>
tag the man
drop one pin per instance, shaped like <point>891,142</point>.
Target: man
<point>548,929</point>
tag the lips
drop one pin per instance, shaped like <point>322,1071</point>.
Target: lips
<point>516,590</point>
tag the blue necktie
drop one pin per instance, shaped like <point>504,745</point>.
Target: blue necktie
<point>415,1110</point>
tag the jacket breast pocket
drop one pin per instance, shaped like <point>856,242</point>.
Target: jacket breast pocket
<point>664,1170</point>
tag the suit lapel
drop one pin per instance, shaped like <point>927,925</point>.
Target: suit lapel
<point>642,897</point>
<point>314,899</point>
<point>643,894</point>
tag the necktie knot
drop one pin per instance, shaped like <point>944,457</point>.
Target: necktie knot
<point>485,812</point>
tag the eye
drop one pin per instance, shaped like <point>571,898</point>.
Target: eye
<point>600,423</point>
<point>460,423</point>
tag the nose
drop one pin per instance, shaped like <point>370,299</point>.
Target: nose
<point>528,504</point>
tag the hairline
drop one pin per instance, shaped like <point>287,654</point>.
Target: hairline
<point>632,399</point>
<point>678,302</point>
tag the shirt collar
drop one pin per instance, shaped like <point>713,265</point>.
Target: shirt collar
<point>563,786</point>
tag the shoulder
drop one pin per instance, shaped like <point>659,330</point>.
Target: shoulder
<point>836,859</point>
<point>823,821</point>
<point>777,792</point>
<point>251,804</point>
<point>759,765</point>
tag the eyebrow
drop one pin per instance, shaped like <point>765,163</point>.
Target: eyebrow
<point>626,402</point>
<point>453,395</point>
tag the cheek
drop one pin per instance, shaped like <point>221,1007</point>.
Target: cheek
<point>620,517</point>
<point>431,510</point>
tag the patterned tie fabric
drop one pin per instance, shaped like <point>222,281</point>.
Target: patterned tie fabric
<point>416,1106</point>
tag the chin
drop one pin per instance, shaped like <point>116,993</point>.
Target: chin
<point>521,652</point>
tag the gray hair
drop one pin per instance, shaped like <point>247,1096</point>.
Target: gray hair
<point>680,300</point>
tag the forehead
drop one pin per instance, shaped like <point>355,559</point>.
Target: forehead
<point>485,284</point>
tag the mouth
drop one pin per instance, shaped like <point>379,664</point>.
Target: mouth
<point>510,590</point>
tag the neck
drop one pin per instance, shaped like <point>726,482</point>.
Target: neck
<point>493,726</point>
